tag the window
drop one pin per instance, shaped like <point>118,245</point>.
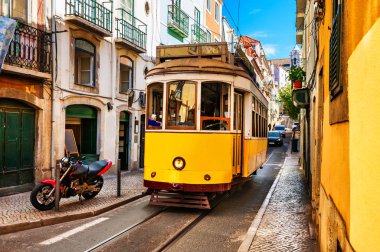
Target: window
<point>155,93</point>
<point>84,63</point>
<point>181,105</point>
<point>177,3</point>
<point>17,9</point>
<point>197,17</point>
<point>209,5</point>
<point>208,36</point>
<point>259,118</point>
<point>127,5</point>
<point>217,12</point>
<point>335,85</point>
<point>215,106</point>
<point>126,74</point>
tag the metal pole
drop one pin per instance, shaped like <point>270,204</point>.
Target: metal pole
<point>118,177</point>
<point>53,45</point>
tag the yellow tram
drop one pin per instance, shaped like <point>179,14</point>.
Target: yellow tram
<point>206,125</point>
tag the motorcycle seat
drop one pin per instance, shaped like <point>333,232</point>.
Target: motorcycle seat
<point>95,167</point>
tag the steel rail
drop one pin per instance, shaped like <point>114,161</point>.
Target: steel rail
<point>124,231</point>
<point>184,230</point>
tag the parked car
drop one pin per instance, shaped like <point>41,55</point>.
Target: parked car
<point>296,126</point>
<point>281,129</point>
<point>274,137</point>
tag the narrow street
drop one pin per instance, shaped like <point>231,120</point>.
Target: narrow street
<point>146,228</point>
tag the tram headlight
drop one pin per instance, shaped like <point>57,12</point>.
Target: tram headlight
<point>179,163</point>
<point>207,177</point>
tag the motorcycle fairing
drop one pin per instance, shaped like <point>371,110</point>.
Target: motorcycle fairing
<point>50,182</point>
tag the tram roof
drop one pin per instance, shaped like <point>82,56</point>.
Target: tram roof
<point>203,65</point>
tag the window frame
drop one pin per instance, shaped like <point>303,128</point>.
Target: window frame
<point>335,57</point>
<point>148,107</point>
<point>217,11</point>
<point>223,106</point>
<point>76,65</point>
<point>8,12</point>
<point>177,127</point>
<point>132,69</point>
<point>208,6</point>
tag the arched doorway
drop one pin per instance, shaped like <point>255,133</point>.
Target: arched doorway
<point>82,120</point>
<point>17,137</point>
<point>124,140</point>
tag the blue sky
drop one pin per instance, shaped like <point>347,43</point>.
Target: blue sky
<point>270,21</point>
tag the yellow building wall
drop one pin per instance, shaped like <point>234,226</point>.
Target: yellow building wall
<point>364,107</point>
<point>335,177</point>
<point>350,173</point>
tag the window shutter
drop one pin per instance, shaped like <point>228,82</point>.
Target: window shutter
<point>335,45</point>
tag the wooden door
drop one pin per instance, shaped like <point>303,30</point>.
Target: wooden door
<point>17,135</point>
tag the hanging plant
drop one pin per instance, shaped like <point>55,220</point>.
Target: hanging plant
<point>296,75</point>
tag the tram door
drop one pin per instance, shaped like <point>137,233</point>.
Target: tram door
<point>238,130</point>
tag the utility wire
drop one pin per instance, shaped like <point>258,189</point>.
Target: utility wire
<point>229,13</point>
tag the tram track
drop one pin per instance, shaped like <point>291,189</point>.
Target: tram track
<point>112,241</point>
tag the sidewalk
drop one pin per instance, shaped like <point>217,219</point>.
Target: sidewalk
<point>282,223</point>
<point>17,213</point>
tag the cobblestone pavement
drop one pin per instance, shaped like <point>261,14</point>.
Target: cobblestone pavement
<point>17,213</point>
<point>285,224</point>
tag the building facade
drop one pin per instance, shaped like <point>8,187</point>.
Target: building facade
<point>341,150</point>
<point>213,17</point>
<point>25,97</point>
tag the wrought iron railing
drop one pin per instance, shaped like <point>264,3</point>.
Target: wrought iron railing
<point>91,11</point>
<point>198,35</point>
<point>30,48</point>
<point>130,28</point>
<point>178,20</point>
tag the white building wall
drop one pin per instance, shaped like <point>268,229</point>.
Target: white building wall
<point>107,90</point>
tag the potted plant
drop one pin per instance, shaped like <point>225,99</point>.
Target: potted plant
<point>296,75</point>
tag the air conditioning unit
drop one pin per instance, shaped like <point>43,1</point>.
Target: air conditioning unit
<point>142,99</point>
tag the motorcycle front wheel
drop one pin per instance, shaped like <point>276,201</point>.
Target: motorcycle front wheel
<point>99,184</point>
<point>39,197</point>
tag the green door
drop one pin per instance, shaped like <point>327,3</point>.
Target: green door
<point>124,141</point>
<point>83,120</point>
<point>16,144</point>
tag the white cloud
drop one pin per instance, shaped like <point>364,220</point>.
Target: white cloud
<point>259,34</point>
<point>270,49</point>
<point>254,11</point>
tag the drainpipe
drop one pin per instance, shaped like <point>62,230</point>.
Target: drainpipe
<point>52,154</point>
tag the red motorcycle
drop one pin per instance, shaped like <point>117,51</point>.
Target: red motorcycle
<point>76,178</point>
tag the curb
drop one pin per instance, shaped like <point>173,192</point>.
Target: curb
<point>6,229</point>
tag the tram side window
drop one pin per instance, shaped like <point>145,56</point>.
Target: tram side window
<point>155,103</point>
<point>181,105</point>
<point>259,119</point>
<point>214,106</point>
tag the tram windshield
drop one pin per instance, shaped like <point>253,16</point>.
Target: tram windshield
<point>181,105</point>
<point>155,108</point>
<point>214,106</point>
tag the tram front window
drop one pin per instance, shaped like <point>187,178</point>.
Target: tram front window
<point>155,98</point>
<point>214,106</point>
<point>181,105</point>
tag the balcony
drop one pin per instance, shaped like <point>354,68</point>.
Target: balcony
<point>91,15</point>
<point>198,35</point>
<point>299,36</point>
<point>29,49</point>
<point>178,21</point>
<point>130,31</point>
